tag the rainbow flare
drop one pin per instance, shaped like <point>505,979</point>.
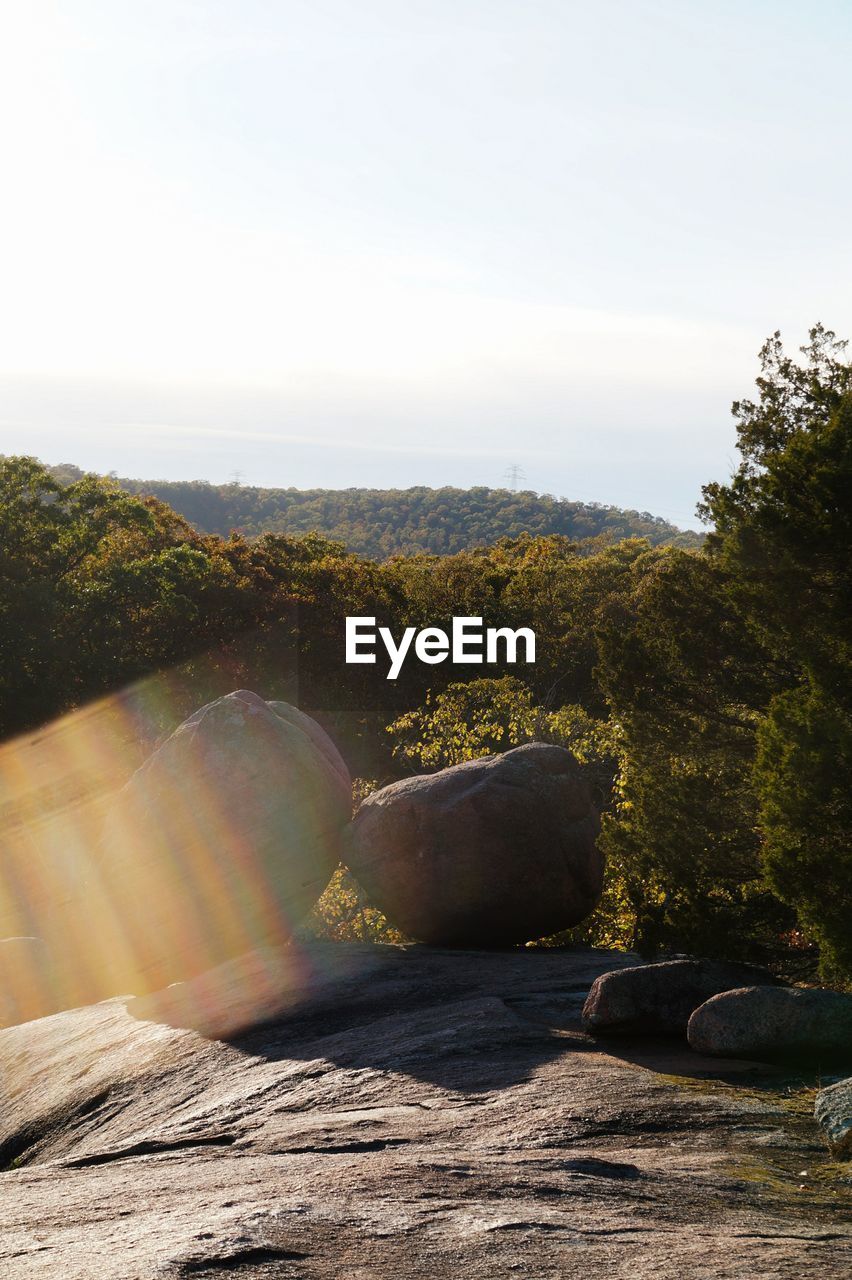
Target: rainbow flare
<point>130,905</point>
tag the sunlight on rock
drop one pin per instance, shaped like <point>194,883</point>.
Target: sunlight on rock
<point>140,874</point>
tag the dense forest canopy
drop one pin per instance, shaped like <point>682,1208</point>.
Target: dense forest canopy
<point>707,692</point>
<point>378,523</point>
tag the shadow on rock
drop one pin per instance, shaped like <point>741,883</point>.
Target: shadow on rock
<point>441,1016</point>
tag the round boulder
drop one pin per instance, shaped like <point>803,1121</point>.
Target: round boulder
<point>770,1024</point>
<point>220,842</point>
<point>486,853</point>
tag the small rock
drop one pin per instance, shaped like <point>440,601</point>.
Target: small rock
<point>658,999</point>
<point>774,1023</point>
<point>833,1111</point>
<point>486,853</point>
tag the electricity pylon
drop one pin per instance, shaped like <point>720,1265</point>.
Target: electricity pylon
<point>513,474</point>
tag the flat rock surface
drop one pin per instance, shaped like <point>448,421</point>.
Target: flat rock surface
<point>414,1113</point>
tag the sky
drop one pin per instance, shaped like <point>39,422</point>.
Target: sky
<point>365,242</point>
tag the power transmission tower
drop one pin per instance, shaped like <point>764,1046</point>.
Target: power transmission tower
<point>237,478</point>
<point>513,474</point>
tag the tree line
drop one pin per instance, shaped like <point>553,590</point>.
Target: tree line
<point>378,523</point>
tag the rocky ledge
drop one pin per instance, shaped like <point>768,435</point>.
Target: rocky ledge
<point>409,1113</point>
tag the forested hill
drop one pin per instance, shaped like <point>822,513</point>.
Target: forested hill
<point>381,522</point>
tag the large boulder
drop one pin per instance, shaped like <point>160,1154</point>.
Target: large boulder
<point>219,843</point>
<point>487,853</point>
<point>775,1023</point>
<point>658,999</point>
<point>833,1111</point>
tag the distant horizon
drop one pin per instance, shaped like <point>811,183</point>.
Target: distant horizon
<point>378,245</point>
<point>243,483</point>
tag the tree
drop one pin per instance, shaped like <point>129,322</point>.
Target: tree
<point>686,682</point>
<point>783,539</point>
<point>98,588</point>
<point>466,721</point>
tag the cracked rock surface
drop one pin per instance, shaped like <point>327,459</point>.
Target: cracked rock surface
<point>412,1113</point>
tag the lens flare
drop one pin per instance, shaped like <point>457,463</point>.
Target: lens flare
<point>104,895</point>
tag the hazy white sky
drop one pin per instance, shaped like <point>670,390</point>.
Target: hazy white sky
<point>391,242</point>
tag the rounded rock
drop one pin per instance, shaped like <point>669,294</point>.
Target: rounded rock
<point>222,841</point>
<point>833,1112</point>
<point>775,1024</point>
<point>488,853</point>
